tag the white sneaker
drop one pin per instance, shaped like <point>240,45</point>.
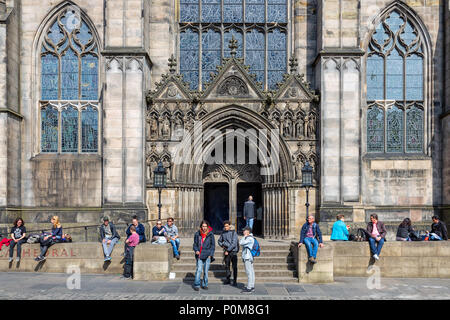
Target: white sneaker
<point>17,259</point>
<point>10,259</point>
<point>376,257</point>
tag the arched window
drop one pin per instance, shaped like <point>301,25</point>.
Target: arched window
<point>69,64</point>
<point>395,86</point>
<point>259,26</point>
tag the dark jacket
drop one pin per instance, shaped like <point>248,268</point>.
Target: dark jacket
<point>155,232</point>
<point>440,229</point>
<point>57,234</point>
<point>403,232</point>
<point>316,232</point>
<point>249,209</point>
<point>113,231</point>
<point>229,241</point>
<point>381,229</point>
<point>140,230</point>
<point>209,245</point>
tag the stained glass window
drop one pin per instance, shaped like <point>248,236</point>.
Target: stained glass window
<point>277,57</point>
<point>375,129</point>
<point>394,133</point>
<point>69,134</point>
<point>89,130</point>
<point>49,129</point>
<point>414,129</point>
<point>206,27</point>
<point>69,72</point>
<point>395,77</point>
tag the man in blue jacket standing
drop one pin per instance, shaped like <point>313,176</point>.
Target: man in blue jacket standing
<point>311,236</point>
<point>249,212</point>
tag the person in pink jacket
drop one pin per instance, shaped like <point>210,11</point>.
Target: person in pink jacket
<point>130,243</point>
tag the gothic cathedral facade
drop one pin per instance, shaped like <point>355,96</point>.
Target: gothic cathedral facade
<point>96,93</point>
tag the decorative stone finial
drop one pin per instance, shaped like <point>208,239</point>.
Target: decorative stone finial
<point>233,46</point>
<point>172,64</point>
<point>293,64</point>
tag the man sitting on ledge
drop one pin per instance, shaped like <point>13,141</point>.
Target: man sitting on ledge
<point>309,235</point>
<point>438,230</point>
<point>377,235</point>
<point>109,237</point>
<point>172,237</point>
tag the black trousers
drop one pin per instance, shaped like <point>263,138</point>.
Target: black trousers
<point>19,247</point>
<point>128,266</point>
<point>231,258</point>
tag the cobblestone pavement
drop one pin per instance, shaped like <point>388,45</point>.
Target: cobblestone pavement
<point>98,287</point>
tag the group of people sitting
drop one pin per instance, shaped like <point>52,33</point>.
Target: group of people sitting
<point>19,236</point>
<point>375,234</point>
<point>204,242</point>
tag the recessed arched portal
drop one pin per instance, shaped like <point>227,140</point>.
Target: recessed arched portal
<point>272,170</point>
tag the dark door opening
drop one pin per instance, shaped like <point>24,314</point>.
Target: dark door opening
<point>216,205</point>
<point>244,190</point>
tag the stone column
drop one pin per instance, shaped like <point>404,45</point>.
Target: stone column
<point>133,139</point>
<point>113,131</point>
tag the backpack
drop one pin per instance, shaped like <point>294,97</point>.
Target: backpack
<point>415,236</point>
<point>361,235</point>
<point>256,249</point>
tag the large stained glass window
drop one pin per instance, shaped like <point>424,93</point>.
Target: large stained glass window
<point>259,26</point>
<point>395,86</point>
<point>69,64</point>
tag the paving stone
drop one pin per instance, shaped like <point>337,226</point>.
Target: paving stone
<point>53,286</point>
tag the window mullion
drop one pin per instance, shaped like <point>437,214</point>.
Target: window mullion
<point>80,133</point>
<point>59,128</point>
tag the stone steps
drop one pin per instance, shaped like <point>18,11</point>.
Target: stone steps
<point>275,264</point>
<point>218,266</point>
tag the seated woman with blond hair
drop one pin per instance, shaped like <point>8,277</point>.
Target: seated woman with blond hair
<point>47,240</point>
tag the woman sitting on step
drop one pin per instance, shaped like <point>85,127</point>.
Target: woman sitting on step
<point>47,240</point>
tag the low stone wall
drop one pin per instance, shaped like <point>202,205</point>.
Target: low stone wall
<point>398,259</point>
<point>151,262</point>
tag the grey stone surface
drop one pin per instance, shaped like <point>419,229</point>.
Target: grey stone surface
<point>106,287</point>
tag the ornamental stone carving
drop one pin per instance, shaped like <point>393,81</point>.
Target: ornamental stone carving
<point>233,86</point>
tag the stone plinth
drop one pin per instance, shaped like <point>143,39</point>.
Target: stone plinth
<point>152,262</point>
<point>320,272</point>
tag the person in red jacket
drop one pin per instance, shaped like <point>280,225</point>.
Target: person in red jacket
<point>204,246</point>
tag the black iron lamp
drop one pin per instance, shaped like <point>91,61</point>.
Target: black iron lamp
<point>159,181</point>
<point>307,173</point>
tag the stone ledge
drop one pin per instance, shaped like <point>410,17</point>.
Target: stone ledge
<point>398,259</point>
<point>151,262</point>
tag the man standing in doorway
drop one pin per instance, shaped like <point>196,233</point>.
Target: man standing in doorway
<point>249,212</point>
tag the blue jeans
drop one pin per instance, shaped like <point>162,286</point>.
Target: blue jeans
<point>175,245</point>
<point>375,246</point>
<point>250,222</point>
<point>312,245</point>
<point>107,251</point>
<point>434,237</point>
<point>202,265</point>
